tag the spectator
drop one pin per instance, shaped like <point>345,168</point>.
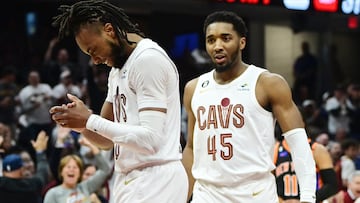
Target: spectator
<point>350,149</point>
<point>338,120</point>
<point>8,92</point>
<point>312,116</point>
<point>15,188</point>
<point>305,74</point>
<point>28,162</point>
<point>96,86</point>
<point>71,187</point>
<point>336,153</point>
<point>323,138</point>
<point>63,144</point>
<point>352,193</point>
<point>54,65</point>
<point>65,86</point>
<point>101,195</point>
<point>6,142</point>
<point>34,100</point>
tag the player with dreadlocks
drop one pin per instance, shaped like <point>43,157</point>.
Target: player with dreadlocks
<point>140,118</point>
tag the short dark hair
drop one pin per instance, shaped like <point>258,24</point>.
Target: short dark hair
<point>94,11</point>
<point>349,142</point>
<point>227,17</point>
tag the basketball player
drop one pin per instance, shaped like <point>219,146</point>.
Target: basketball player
<point>286,181</point>
<point>140,118</point>
<point>231,119</point>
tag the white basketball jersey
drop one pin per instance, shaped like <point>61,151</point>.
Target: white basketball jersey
<point>122,93</point>
<point>233,135</point>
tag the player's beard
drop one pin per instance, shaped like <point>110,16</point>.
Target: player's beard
<point>118,55</point>
<point>227,66</point>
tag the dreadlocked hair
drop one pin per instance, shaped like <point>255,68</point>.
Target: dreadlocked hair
<point>94,11</point>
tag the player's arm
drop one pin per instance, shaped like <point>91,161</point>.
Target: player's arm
<point>149,79</point>
<point>327,173</point>
<point>98,140</point>
<point>188,156</point>
<point>278,93</point>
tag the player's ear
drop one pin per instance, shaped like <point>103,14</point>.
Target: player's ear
<point>242,43</point>
<point>109,30</point>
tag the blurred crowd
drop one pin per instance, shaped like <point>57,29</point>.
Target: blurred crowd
<point>67,160</point>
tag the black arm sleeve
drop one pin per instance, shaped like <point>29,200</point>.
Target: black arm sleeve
<point>329,188</point>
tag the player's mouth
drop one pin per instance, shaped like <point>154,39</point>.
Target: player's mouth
<point>220,58</point>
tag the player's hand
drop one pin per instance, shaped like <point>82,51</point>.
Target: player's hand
<point>73,115</point>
